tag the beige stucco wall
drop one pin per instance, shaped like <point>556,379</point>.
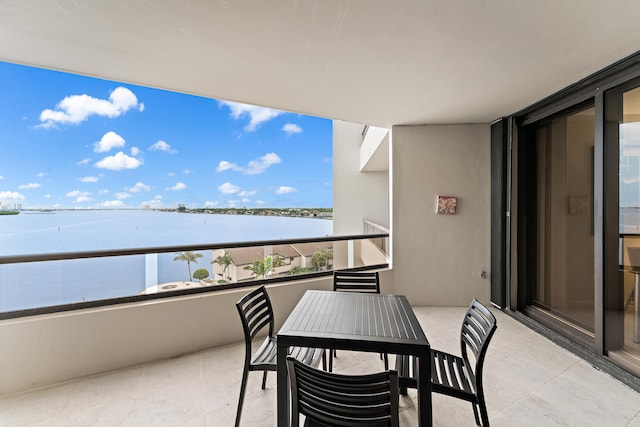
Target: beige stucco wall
<point>438,259</point>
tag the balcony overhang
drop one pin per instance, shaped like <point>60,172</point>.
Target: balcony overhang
<point>374,151</point>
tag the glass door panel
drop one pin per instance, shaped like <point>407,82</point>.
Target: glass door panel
<point>627,351</point>
<point>564,285</point>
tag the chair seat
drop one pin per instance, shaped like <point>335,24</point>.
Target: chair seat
<point>265,358</point>
<point>450,376</point>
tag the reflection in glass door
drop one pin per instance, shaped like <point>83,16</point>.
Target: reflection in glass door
<point>564,267</point>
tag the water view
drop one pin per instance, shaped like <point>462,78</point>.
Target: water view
<point>41,284</point>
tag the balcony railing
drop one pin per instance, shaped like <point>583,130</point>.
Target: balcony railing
<point>55,282</point>
<point>381,243</point>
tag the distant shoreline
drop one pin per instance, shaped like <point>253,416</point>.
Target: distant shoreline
<point>316,213</point>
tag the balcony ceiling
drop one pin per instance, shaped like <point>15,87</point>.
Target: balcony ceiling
<point>368,61</point>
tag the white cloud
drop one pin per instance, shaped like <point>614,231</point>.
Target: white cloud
<point>179,186</point>
<point>1,177</point>
<point>41,174</point>
<point>245,200</point>
<point>29,186</point>
<point>122,195</point>
<point>134,151</point>
<point>254,167</point>
<point>108,141</point>
<point>186,171</point>
<point>247,193</point>
<point>139,187</point>
<point>257,115</point>
<point>262,164</point>
<point>228,188</point>
<point>291,128</point>
<point>88,179</point>
<point>104,191</point>
<point>83,199</point>
<point>225,165</point>
<point>119,162</point>
<point>75,109</point>
<point>84,162</point>
<point>155,203</point>
<point>162,146</point>
<point>47,196</point>
<point>283,189</point>
<point>9,195</point>
<point>77,193</point>
<point>112,204</point>
<point>171,174</point>
<point>209,204</point>
<point>260,202</point>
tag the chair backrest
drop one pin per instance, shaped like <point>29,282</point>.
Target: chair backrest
<point>478,327</point>
<point>356,281</point>
<point>256,313</point>
<point>331,399</point>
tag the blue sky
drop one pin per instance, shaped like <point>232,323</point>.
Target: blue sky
<point>70,141</point>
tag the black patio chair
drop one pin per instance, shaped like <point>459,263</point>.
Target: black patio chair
<point>328,399</point>
<point>256,314</point>
<point>457,376</point>
<point>356,281</point>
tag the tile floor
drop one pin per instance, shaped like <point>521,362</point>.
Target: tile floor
<point>529,381</point>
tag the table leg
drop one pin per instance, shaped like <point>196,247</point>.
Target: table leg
<point>423,375</point>
<point>282,387</point>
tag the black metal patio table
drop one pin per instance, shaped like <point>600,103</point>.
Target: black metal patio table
<point>360,322</point>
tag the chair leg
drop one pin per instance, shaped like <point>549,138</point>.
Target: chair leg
<point>483,410</point>
<point>475,413</point>
<point>324,360</point>
<point>385,356</point>
<point>402,366</point>
<point>331,353</point>
<point>264,380</point>
<point>243,387</point>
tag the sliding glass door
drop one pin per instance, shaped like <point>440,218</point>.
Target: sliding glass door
<point>623,320</point>
<point>560,212</point>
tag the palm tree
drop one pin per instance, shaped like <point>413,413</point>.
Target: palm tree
<point>259,268</point>
<point>327,254</point>
<point>189,257</point>
<point>321,258</point>
<point>317,259</point>
<point>224,261</point>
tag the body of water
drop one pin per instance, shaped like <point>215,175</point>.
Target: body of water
<point>39,284</point>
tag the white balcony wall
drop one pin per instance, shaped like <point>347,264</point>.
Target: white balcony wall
<point>47,349</point>
<point>356,195</point>
<point>438,259</point>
